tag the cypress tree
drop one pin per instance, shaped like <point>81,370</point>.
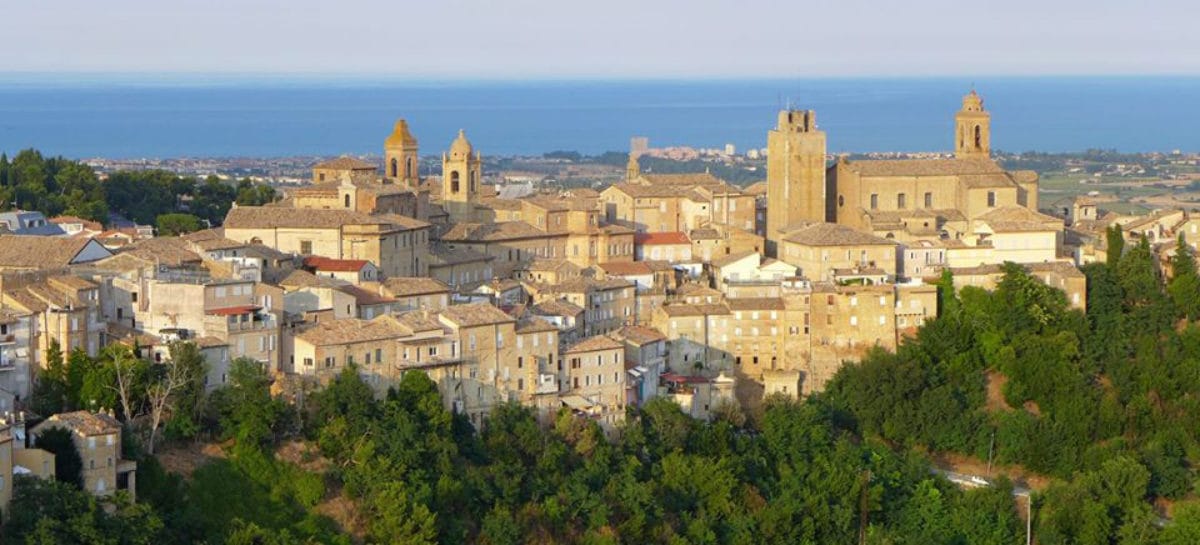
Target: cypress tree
<point>1185,282</point>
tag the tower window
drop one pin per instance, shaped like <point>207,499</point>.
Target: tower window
<point>874,201</point>
<point>928,199</point>
<point>454,182</point>
<point>991,199</point>
<point>472,181</point>
<point>408,168</point>
<point>347,200</point>
<point>901,201</point>
<point>978,137</point>
<point>392,168</point>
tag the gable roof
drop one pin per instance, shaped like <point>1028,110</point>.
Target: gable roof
<point>475,314</point>
<point>273,217</point>
<point>408,286</point>
<point>486,232</point>
<point>666,237</point>
<point>923,167</point>
<point>592,344</point>
<point>832,234</point>
<point>1017,219</point>
<point>335,265</point>
<point>37,252</point>
<point>345,162</point>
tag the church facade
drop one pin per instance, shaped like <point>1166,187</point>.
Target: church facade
<point>969,206</point>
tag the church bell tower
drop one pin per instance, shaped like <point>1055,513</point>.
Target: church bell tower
<point>400,164</point>
<point>973,129</point>
<point>461,176</point>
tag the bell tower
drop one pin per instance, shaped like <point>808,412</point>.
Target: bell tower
<point>461,176</point>
<point>632,168</point>
<point>796,189</point>
<point>400,165</point>
<point>973,129</point>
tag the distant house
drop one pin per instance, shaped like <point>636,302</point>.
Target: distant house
<point>21,222</point>
<point>354,271</point>
<point>74,226</point>
<point>98,439</point>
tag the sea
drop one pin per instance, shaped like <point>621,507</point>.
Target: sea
<point>134,116</point>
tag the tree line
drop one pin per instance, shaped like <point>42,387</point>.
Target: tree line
<point>56,186</point>
<point>1102,401</point>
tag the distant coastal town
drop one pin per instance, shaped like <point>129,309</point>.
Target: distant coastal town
<point>365,346</point>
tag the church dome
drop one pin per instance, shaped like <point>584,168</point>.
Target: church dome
<point>461,147</point>
<point>400,136</point>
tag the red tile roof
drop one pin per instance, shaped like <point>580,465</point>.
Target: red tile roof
<point>230,311</point>
<point>335,265</point>
<point>661,238</point>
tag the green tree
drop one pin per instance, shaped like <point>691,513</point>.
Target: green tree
<point>177,224</point>
<point>1184,287</point>
<point>68,465</point>
<point>397,518</point>
<point>1115,241</point>
<point>50,391</point>
<point>245,408</point>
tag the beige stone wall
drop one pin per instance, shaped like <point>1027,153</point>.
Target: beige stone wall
<point>796,188</point>
<point>599,375</point>
<point>818,262</point>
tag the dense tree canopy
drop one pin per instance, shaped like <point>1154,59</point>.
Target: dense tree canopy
<point>56,186</point>
<point>1103,402</point>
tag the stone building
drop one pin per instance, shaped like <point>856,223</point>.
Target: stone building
<point>596,374</point>
<point>796,189</point>
<point>902,200</point>
<point>98,439</point>
<point>397,245</point>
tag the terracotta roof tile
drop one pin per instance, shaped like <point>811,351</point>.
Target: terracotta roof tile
<point>593,344</point>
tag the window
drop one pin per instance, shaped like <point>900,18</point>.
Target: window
<point>133,295</point>
<point>454,181</point>
<point>306,247</point>
<point>378,355</point>
<point>346,200</point>
<point>902,201</point>
<point>928,199</point>
<point>841,200</point>
<point>874,201</point>
<point>991,199</point>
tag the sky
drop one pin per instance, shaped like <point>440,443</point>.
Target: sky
<point>511,39</point>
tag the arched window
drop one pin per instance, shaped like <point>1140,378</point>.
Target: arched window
<point>346,199</point>
<point>392,168</point>
<point>408,168</point>
<point>454,182</point>
<point>978,137</point>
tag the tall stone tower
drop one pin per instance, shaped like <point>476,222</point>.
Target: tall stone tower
<point>632,168</point>
<point>461,176</point>
<point>795,173</point>
<point>973,129</point>
<point>400,163</point>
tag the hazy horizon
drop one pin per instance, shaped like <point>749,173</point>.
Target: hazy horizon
<point>473,39</point>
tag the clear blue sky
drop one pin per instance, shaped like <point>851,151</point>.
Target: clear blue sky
<point>603,38</point>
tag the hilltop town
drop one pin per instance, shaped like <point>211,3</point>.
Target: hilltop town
<point>582,300</point>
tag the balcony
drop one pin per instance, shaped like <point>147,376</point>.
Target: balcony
<point>8,339</point>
